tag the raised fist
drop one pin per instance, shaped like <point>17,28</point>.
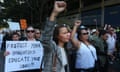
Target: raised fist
<point>61,4</point>
<point>78,22</point>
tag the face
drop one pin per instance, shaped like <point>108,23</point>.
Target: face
<point>30,32</point>
<point>37,34</point>
<point>84,35</point>
<point>111,30</point>
<point>15,37</point>
<point>64,35</point>
<point>105,36</point>
<point>97,32</point>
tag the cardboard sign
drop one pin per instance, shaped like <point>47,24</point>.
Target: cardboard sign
<point>24,55</point>
<point>14,25</point>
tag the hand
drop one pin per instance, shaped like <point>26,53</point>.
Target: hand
<point>6,53</point>
<point>59,6</point>
<point>78,22</point>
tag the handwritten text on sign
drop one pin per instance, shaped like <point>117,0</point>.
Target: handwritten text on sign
<point>24,55</point>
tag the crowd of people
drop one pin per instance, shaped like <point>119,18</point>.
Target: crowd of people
<point>79,49</point>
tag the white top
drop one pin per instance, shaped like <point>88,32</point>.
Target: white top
<point>84,58</point>
<point>111,43</point>
<point>64,59</point>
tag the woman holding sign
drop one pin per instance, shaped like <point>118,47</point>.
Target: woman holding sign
<point>55,58</point>
<point>30,32</point>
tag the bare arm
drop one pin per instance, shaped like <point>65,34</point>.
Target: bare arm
<point>75,42</point>
<point>59,6</point>
<point>105,27</point>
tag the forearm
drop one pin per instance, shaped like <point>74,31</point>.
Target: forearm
<point>48,31</point>
<point>105,28</point>
<point>49,26</point>
<point>53,16</point>
<point>73,32</point>
<point>73,39</point>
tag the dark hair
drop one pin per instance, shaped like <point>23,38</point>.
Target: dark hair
<point>57,31</point>
<point>79,32</point>
<point>29,27</point>
<point>15,33</point>
<point>102,32</point>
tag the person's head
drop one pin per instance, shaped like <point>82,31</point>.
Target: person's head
<point>111,30</point>
<point>82,34</point>
<point>95,32</point>
<point>61,34</point>
<point>30,32</point>
<point>18,31</point>
<point>103,34</point>
<point>15,36</point>
<point>37,33</point>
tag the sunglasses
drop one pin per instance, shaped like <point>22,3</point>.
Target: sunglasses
<point>28,31</point>
<point>85,33</point>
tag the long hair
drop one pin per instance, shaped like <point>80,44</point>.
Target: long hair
<point>57,31</point>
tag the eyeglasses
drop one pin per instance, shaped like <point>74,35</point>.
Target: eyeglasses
<point>85,33</point>
<point>28,31</point>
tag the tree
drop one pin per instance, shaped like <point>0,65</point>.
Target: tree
<point>34,11</point>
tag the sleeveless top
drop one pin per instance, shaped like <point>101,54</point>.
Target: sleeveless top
<point>111,43</point>
<point>86,56</point>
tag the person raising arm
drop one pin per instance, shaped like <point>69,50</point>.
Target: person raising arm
<point>54,39</point>
<point>86,53</point>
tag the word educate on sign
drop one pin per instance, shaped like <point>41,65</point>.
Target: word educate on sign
<point>23,55</point>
